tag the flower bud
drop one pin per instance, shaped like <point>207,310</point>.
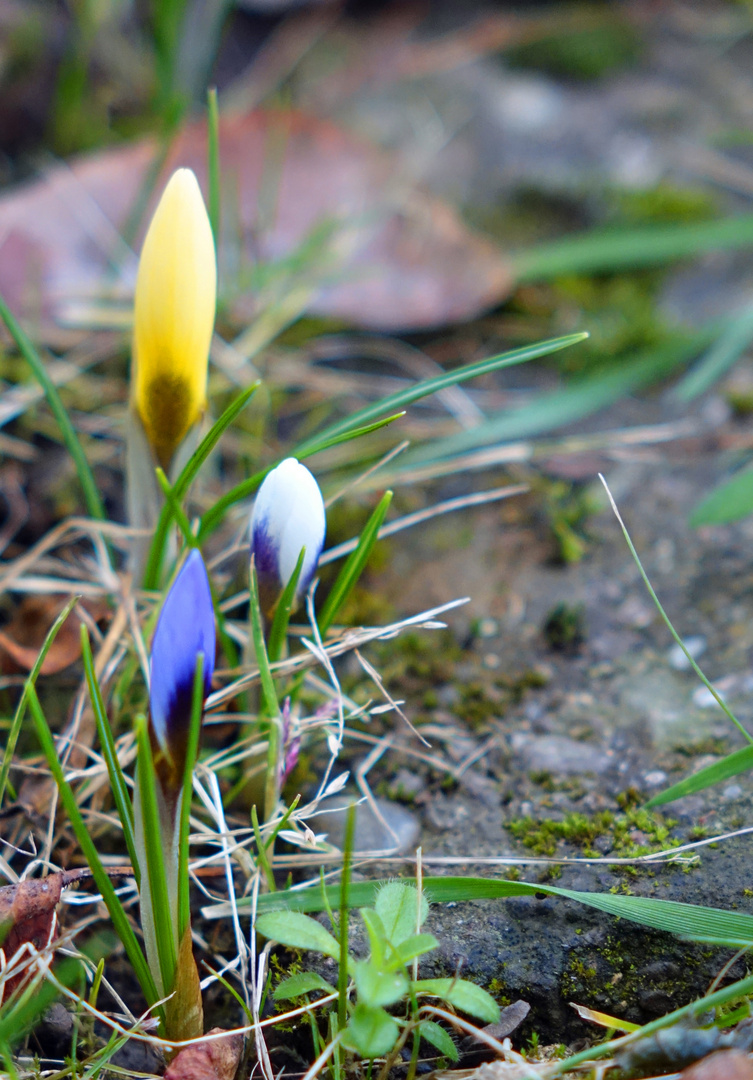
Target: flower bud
<point>176,295</point>
<point>288,515</point>
<point>185,628</point>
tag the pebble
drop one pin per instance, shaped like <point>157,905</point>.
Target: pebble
<point>397,832</point>
<point>653,779</point>
<point>696,646</point>
<point>557,754</point>
<point>488,628</point>
<point>704,699</point>
<point>732,791</point>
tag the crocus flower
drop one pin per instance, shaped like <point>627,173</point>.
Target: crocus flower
<point>288,515</point>
<point>176,293</point>
<point>185,628</point>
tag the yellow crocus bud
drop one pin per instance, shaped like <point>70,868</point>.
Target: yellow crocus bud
<point>176,295</point>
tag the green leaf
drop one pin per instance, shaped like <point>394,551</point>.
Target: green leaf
<point>303,983</point>
<point>400,911</point>
<point>377,987</point>
<point>157,849</point>
<point>70,438</point>
<point>729,346</point>
<point>439,1038</point>
<point>297,932</point>
<point>371,1032</point>
<point>348,577</point>
<point>15,728</point>
<point>733,764</point>
<point>377,934</point>
<point>552,410</point>
<point>213,162</point>
<point>464,995</point>
<point>283,609</point>
<point>731,501</point>
<point>184,481</point>
<point>608,250</point>
<point>118,785</point>
<point>89,849</point>
<point>401,398</point>
<point>414,946</point>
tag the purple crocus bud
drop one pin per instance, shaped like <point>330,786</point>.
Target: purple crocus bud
<point>185,628</point>
<point>288,515</point>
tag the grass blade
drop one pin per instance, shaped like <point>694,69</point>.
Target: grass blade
<point>18,718</point>
<point>728,348</point>
<point>70,438</point>
<point>283,610</point>
<point>690,921</point>
<point>213,155</point>
<point>213,517</point>
<point>731,501</point>
<point>739,761</point>
<point>353,568</point>
<point>615,249</point>
<point>401,398</point>
<point>184,481</point>
<point>119,787</point>
<point>112,900</point>
<point>554,410</point>
<point>155,905</point>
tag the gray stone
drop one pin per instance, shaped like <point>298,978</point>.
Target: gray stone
<point>560,754</point>
<point>392,828</point>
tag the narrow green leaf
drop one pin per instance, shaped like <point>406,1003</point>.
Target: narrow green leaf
<point>576,401</point>
<point>279,629</point>
<point>305,982</point>
<point>349,574</point>
<point>157,847</point>
<point>688,920</point>
<point>18,718</point>
<point>345,904</point>
<point>214,516</point>
<point>271,706</point>
<point>112,900</point>
<point>177,510</point>
<point>401,398</point>
<point>729,346</point>
<point>731,501</point>
<point>464,995</point>
<point>213,155</point>
<point>70,438</point>
<point>439,1039</point>
<point>371,1032</point>
<point>733,764</point>
<point>605,251</point>
<point>118,785</point>
<point>297,931</point>
<point>184,481</point>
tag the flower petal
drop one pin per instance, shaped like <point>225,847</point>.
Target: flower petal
<point>185,628</point>
<point>288,515</point>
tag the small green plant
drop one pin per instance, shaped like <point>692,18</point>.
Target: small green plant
<point>386,979</point>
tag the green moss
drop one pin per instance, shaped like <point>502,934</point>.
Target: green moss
<point>565,626</point>
<point>664,204</point>
<point>599,41</point>
<point>635,832</point>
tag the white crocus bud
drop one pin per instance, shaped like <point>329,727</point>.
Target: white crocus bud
<point>288,515</point>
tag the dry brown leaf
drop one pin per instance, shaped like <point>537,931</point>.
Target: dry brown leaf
<point>22,638</point>
<point>399,258</point>
<point>216,1060</point>
<point>723,1065</point>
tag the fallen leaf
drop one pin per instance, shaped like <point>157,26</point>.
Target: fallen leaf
<point>603,1019</point>
<point>723,1065</point>
<point>27,913</point>
<point>215,1060</point>
<point>23,637</point>
<point>395,257</point>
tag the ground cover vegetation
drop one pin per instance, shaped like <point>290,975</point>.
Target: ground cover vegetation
<point>188,763</point>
